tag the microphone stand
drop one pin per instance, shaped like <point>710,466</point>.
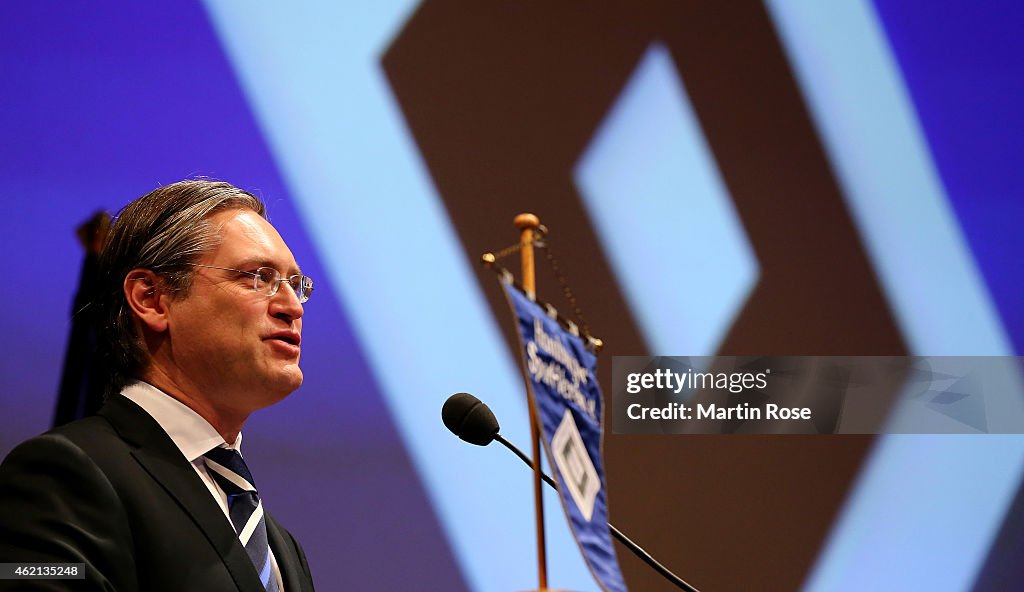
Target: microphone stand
<point>635,548</point>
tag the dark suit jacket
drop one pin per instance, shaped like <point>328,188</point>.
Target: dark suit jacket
<point>112,491</point>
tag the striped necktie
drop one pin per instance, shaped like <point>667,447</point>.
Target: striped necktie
<point>244,507</point>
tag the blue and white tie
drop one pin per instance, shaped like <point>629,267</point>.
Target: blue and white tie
<point>230,473</point>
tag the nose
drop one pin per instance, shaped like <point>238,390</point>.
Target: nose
<point>285,304</point>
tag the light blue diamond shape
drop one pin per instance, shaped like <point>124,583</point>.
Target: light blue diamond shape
<point>667,222</point>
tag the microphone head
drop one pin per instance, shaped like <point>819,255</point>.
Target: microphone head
<point>470,419</point>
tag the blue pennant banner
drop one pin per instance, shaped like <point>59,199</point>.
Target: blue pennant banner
<point>562,376</point>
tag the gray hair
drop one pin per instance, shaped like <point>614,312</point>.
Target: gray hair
<point>163,231</point>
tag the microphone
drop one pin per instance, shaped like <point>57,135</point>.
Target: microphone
<point>468,418</point>
<point>473,421</point>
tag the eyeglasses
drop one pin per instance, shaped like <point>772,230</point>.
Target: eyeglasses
<point>267,280</point>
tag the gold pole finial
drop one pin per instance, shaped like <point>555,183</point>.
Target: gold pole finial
<point>527,224</point>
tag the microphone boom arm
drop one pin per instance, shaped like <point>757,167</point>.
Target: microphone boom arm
<point>635,548</point>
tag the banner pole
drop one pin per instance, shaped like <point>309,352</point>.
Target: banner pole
<point>527,225</point>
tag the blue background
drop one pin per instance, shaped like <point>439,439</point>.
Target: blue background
<point>104,102</point>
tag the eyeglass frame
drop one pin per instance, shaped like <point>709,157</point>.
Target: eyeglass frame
<point>303,297</point>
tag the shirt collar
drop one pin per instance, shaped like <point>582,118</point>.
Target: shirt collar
<point>193,435</point>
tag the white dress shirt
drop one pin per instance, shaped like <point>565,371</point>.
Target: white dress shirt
<point>194,437</point>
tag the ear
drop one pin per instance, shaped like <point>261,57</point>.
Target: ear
<point>146,296</point>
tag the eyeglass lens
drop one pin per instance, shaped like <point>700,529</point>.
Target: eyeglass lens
<point>268,281</point>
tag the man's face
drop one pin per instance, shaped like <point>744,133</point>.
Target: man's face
<point>233,347</point>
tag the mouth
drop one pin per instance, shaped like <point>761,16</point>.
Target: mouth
<point>290,337</point>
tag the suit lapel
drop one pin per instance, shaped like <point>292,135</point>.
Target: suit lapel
<point>158,455</point>
<point>287,559</point>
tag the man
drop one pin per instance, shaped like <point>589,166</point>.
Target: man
<point>202,321</point>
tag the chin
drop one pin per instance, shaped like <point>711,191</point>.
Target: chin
<point>280,381</point>
<point>279,390</point>
<point>291,379</point>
